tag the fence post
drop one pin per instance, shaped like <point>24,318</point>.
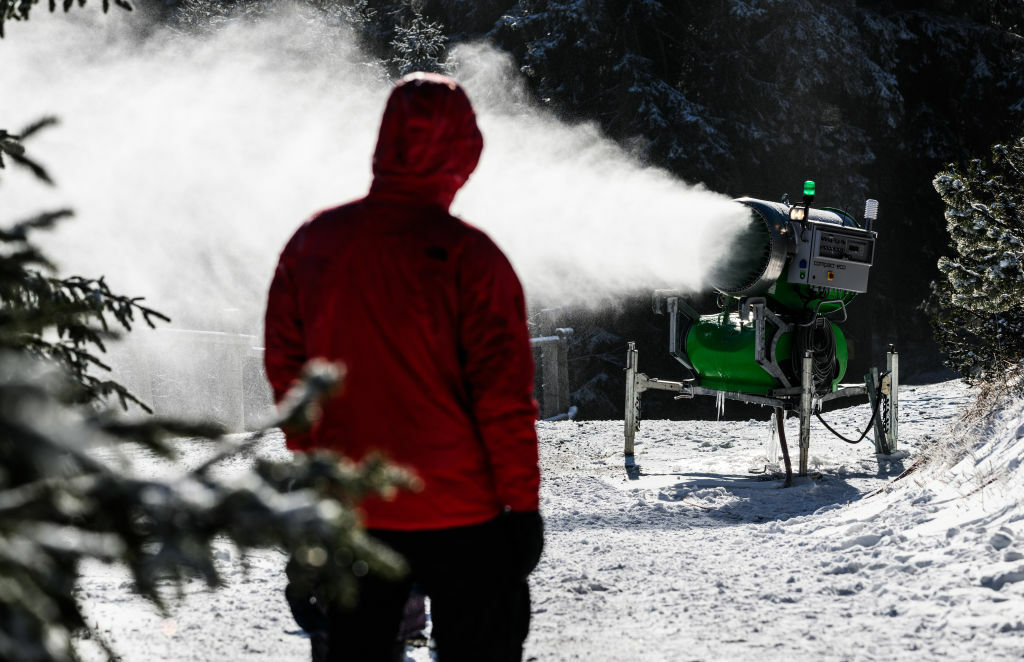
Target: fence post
<point>549,365</point>
<point>553,371</point>
<point>563,368</point>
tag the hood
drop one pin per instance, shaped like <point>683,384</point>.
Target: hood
<point>429,142</point>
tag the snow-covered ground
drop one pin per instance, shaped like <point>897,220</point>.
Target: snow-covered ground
<point>689,556</point>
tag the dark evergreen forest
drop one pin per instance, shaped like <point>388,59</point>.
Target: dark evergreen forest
<point>869,98</point>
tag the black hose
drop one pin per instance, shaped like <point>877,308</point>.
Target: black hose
<point>874,414</point>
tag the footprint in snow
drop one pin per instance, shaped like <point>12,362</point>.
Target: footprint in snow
<point>998,581</point>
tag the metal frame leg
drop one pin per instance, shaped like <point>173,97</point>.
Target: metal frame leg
<point>806,402</point>
<point>874,384</point>
<point>893,365</point>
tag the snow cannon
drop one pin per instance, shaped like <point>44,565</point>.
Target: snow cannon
<point>782,292</point>
<point>792,274</point>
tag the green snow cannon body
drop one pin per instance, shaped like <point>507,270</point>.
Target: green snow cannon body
<point>722,348</point>
<point>795,268</point>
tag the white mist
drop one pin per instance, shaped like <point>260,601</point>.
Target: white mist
<point>189,162</point>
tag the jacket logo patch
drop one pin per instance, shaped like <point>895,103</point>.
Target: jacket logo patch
<point>437,253</point>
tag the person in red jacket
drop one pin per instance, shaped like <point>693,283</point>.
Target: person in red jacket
<point>429,318</point>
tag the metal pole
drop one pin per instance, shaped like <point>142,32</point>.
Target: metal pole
<point>780,424</point>
<point>563,369</point>
<point>874,394</point>
<point>549,368</point>
<point>632,401</point>
<point>806,397</point>
<point>893,364</point>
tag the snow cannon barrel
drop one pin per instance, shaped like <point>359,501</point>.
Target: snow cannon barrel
<point>800,257</point>
<point>760,252</point>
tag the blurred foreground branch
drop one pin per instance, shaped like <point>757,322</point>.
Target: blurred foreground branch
<point>64,498</point>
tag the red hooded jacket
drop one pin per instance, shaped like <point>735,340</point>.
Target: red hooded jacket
<point>427,315</point>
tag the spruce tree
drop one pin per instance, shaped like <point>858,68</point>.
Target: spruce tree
<point>978,304</point>
<point>420,46</point>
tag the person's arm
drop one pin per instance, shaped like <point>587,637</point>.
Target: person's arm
<point>285,347</point>
<point>498,371</point>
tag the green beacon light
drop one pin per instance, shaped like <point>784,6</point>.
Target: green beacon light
<point>809,188</point>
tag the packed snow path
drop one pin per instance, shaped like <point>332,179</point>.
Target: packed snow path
<point>689,556</point>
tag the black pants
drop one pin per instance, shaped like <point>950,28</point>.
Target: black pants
<point>475,577</point>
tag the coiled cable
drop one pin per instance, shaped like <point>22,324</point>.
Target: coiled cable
<point>821,341</point>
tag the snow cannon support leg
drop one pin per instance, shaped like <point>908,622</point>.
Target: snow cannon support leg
<point>806,403</point>
<point>874,397</point>
<point>632,398</point>
<point>893,365</point>
<point>883,395</point>
<point>636,383</point>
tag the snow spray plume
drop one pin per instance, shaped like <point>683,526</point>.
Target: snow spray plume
<point>583,221</point>
<point>190,160</point>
